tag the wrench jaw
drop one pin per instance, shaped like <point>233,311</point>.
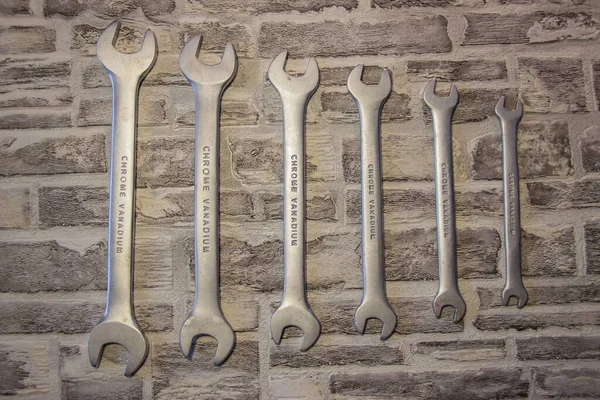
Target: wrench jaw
<point>369,94</point>
<point>505,114</point>
<point>301,317</point>
<point>378,309</point>
<point>298,86</point>
<point>436,102</point>
<point>135,65</point>
<point>197,73</point>
<point>519,292</point>
<point>128,336</point>
<point>450,299</point>
<point>213,325</point>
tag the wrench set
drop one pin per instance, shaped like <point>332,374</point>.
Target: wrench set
<point>126,71</point>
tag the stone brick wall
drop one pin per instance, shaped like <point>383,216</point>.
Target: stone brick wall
<point>54,147</point>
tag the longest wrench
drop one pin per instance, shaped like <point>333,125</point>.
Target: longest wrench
<point>370,100</point>
<point>509,120</point>
<point>118,325</point>
<point>209,83</point>
<point>442,109</point>
<point>295,93</point>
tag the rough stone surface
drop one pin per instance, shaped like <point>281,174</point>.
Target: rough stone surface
<point>15,7</point>
<point>71,206</point>
<point>24,369</point>
<point>165,162</point>
<point>566,382</point>
<point>73,388</point>
<point>538,295</point>
<point>549,253</point>
<point>42,120</point>
<point>340,107</point>
<point>559,195</point>
<point>33,74</point>
<point>520,320</point>
<point>463,350</point>
<point>98,111</point>
<point>474,105</point>
<point>596,71</point>
<point>216,35</point>
<point>264,6</point>
<point>328,355</point>
<point>592,247</point>
<point>553,348</point>
<point>27,39</point>
<point>457,71</point>
<point>589,145</point>
<point>15,209</point>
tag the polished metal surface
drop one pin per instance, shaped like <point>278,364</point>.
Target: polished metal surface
<point>118,324</point>
<point>370,100</point>
<point>442,109</point>
<point>294,309</point>
<point>209,83</point>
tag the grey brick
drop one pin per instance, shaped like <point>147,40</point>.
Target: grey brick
<point>67,8</point>
<point>84,36</point>
<point>592,247</point>
<point>558,348</point>
<point>537,27</point>
<point>544,151</point>
<point>234,112</point>
<point>552,85</point>
<point>596,76</point>
<point>94,111</point>
<point>340,107</point>
<point>264,6</point>
<point>560,195</point>
<point>565,382</point>
<point>272,205</point>
<point>14,208</point>
<point>338,76</point>
<point>481,384</point>
<point>108,8</point>
<point>422,3</point>
<point>457,71</point>
<point>256,161</point>
<point>71,154</point>
<point>24,368</point>
<point>589,145</point>
<point>101,389</point>
<point>216,35</point>
<point>416,35</point>
<point>463,350</point>
<point>38,98</point>
<point>165,162</point>
<point>319,207</point>
<point>289,383</point>
<point>479,202</point>
<point>15,7</point>
<point>72,206</point>
<point>27,39</point>
<point>523,320</point>
<point>397,203</point>
<point>328,355</point>
<point>241,312</point>
<point>34,74</point>
<point>590,293</point>
<point>37,120</point>
<point>548,252</point>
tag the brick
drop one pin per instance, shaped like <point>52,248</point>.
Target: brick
<point>536,320</point>
<point>321,158</point>
<point>560,195</point>
<point>404,158</point>
<point>463,350</point>
<point>67,8</point>
<point>319,207</point>
<point>479,202</point>
<point>290,385</point>
<point>340,107</point>
<point>216,35</point>
<point>15,7</point>
<point>256,161</point>
<point>552,85</point>
<point>328,355</point>
<point>537,27</point>
<point>235,379</point>
<point>71,154</point>
<point>592,247</point>
<point>38,98</point>
<point>457,71</point>
<point>272,205</point>
<point>73,206</point>
<point>397,204</point>
<point>333,261</point>
<point>129,40</point>
<point>165,162</point>
<point>565,382</point>
<point>338,76</point>
<point>412,254</point>
<point>38,120</point>
<point>27,39</point>
<point>234,112</point>
<point>590,293</point>
<point>569,2</point>
<point>24,368</point>
<point>94,111</point>
<point>34,74</point>
<point>337,39</point>
<point>104,389</point>
<point>544,151</point>
<point>548,252</point>
<point>596,76</point>
<point>153,9</point>
<point>558,348</point>
<point>76,370</point>
<point>264,6</point>
<point>64,316</point>
<point>474,105</point>
<point>484,383</point>
<point>107,8</point>
<point>425,3</point>
<point>589,145</point>
<point>240,312</point>
<point>14,208</point>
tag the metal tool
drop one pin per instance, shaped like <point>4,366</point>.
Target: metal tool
<point>118,324</point>
<point>509,120</point>
<point>209,83</point>
<point>370,100</point>
<point>295,93</point>
<point>442,109</point>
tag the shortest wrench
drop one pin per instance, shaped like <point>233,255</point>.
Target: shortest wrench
<point>370,100</point>
<point>509,120</point>
<point>442,109</point>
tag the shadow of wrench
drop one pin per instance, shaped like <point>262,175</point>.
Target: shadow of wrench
<point>295,93</point>
<point>209,83</point>
<point>118,324</point>
<point>509,120</point>
<point>370,100</point>
<point>442,109</point>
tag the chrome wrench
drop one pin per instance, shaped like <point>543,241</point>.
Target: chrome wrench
<point>442,109</point>
<point>209,83</point>
<point>118,324</point>
<point>370,100</point>
<point>295,93</point>
<point>509,120</point>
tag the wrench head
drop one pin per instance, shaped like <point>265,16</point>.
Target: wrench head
<point>450,299</point>
<point>298,316</point>
<point>132,65</point>
<point>375,94</point>
<point>220,74</point>
<point>440,103</point>
<point>519,292</point>
<point>378,309</point>
<point>128,336</point>
<point>509,115</point>
<point>298,86</point>
<point>208,324</point>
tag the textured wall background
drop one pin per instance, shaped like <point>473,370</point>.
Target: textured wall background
<point>54,147</point>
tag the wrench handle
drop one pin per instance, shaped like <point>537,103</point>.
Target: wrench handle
<point>206,195</point>
<point>444,200</point>
<point>122,196</point>
<point>371,197</point>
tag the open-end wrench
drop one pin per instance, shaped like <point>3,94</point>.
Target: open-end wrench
<point>370,100</point>
<point>442,109</point>
<point>509,120</point>
<point>118,324</point>
<point>295,93</point>
<point>209,83</point>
